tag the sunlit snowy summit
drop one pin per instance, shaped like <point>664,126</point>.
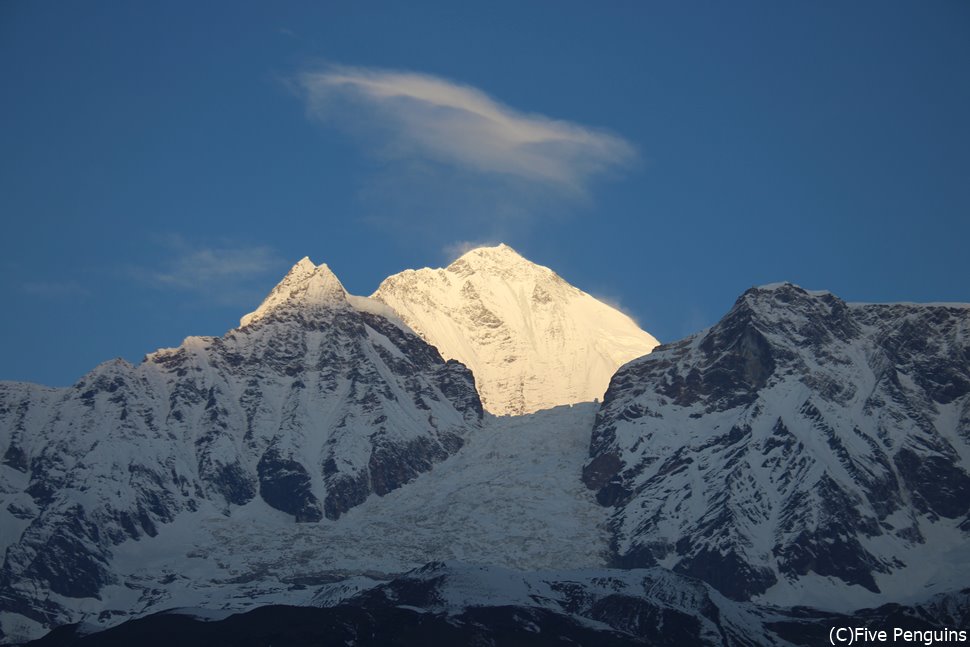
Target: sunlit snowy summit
<point>532,340</point>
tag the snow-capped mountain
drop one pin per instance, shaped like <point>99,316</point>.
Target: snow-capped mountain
<point>803,450</point>
<point>532,340</point>
<point>316,402</point>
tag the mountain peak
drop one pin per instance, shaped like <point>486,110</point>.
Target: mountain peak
<point>304,266</point>
<point>494,251</point>
<point>500,260</point>
<point>783,291</point>
<point>783,299</point>
<point>784,312</point>
<point>306,285</point>
<point>500,253</point>
<point>532,340</point>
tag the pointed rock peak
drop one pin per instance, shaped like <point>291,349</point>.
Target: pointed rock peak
<point>303,267</point>
<point>317,278</point>
<point>305,287</point>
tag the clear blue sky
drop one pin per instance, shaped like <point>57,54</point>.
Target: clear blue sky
<point>163,164</point>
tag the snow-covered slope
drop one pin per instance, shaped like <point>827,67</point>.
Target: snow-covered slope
<point>801,451</point>
<point>532,340</point>
<point>510,497</point>
<point>311,406</point>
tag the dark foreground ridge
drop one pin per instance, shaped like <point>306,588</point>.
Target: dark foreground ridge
<point>448,604</point>
<point>283,626</point>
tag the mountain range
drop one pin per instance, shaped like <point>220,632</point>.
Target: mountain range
<point>436,457</point>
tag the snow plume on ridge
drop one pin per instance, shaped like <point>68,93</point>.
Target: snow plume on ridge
<point>454,251</point>
<point>427,117</point>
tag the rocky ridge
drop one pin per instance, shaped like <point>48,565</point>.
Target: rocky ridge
<point>801,451</point>
<point>312,405</point>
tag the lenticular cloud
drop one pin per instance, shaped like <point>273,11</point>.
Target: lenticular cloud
<point>417,115</point>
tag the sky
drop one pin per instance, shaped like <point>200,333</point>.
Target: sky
<point>162,165</point>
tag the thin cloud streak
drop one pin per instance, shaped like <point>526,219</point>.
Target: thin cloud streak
<point>200,269</point>
<point>426,117</point>
<point>224,275</point>
<point>55,289</point>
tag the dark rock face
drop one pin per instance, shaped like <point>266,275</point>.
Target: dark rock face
<point>730,574</point>
<point>390,468</point>
<point>16,458</point>
<point>313,406</point>
<point>832,547</point>
<point>799,437</point>
<point>645,621</point>
<point>285,484</point>
<point>232,482</point>
<point>599,473</point>
<point>64,558</point>
<point>939,485</point>
<point>453,380</point>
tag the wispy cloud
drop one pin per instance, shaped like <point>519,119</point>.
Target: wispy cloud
<point>225,273</point>
<point>199,268</point>
<point>410,116</point>
<point>55,289</point>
